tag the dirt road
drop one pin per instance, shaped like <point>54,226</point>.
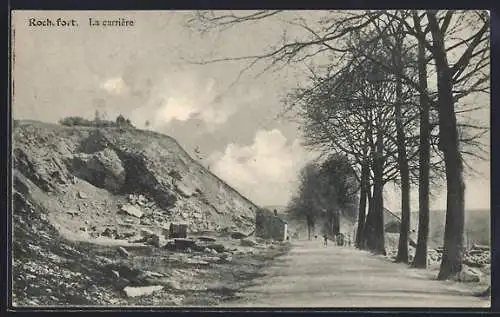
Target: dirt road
<point>312,275</point>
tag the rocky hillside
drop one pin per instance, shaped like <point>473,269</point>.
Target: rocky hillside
<point>51,270</point>
<point>119,181</point>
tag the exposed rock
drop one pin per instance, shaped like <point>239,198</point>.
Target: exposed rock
<point>103,169</point>
<point>178,230</point>
<point>34,171</point>
<point>211,251</point>
<point>173,284</point>
<point>238,235</point>
<point>184,243</point>
<point>248,242</point>
<point>481,247</point>
<point>132,210</point>
<point>217,247</point>
<point>197,262</point>
<point>21,186</point>
<point>107,233</point>
<point>46,156</point>
<point>165,233</point>
<point>469,275</point>
<point>82,195</point>
<point>153,274</point>
<point>207,239</point>
<point>228,258</point>
<point>181,244</point>
<point>123,252</point>
<point>154,240</point>
<point>126,235</point>
<point>146,233</point>
<point>145,221</point>
<point>72,212</point>
<point>140,240</point>
<point>141,290</point>
<point>212,259</point>
<point>184,190</point>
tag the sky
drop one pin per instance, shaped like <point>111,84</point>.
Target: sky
<point>146,72</point>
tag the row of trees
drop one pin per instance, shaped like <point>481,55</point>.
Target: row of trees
<point>375,103</point>
<point>327,192</point>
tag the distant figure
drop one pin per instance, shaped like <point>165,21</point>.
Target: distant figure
<point>287,238</point>
<point>340,239</point>
<point>325,238</point>
<point>315,237</point>
<point>275,212</point>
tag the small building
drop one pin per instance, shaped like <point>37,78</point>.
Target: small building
<point>270,226</point>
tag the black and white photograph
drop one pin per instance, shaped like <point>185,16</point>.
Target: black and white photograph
<point>250,159</point>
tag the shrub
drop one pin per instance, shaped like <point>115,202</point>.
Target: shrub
<point>175,175</point>
<point>121,121</point>
<point>72,121</point>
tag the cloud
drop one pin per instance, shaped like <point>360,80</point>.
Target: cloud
<point>115,86</point>
<point>265,171</point>
<point>182,96</point>
<point>175,108</point>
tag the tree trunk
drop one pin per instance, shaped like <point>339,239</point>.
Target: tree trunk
<point>335,223</point>
<point>368,227</point>
<point>451,263</point>
<point>362,205</point>
<point>331,222</point>
<point>376,237</point>
<point>420,260</point>
<point>374,226</point>
<point>309,226</point>
<point>402,255</point>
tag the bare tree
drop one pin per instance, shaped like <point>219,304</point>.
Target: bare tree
<point>420,260</point>
<point>349,113</point>
<point>443,35</point>
<point>466,71</point>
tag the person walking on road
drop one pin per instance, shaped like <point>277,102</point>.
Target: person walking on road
<point>325,237</point>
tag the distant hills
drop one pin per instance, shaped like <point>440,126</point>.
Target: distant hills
<point>477,224</point>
